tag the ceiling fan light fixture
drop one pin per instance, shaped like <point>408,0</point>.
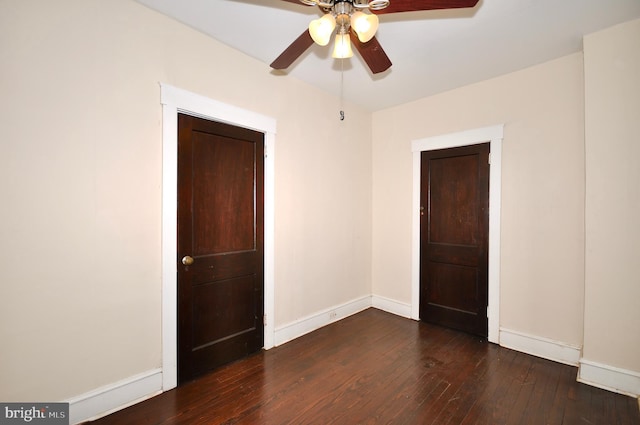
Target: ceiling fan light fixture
<point>342,47</point>
<point>322,28</point>
<point>371,51</point>
<point>364,25</point>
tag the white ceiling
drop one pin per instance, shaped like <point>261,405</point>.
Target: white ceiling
<point>431,51</point>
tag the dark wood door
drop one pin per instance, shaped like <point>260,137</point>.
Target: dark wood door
<point>220,244</point>
<point>454,228</point>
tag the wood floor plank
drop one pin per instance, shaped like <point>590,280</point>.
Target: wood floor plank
<point>493,389</point>
<point>377,368</point>
<point>537,411</point>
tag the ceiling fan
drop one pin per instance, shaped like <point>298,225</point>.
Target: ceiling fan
<point>355,22</point>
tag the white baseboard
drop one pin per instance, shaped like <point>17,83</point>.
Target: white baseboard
<point>391,306</point>
<point>609,378</point>
<point>114,397</point>
<point>310,323</point>
<point>540,347</point>
<point>117,396</point>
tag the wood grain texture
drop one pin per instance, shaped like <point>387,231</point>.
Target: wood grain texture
<point>372,53</point>
<point>417,5</point>
<point>377,368</point>
<point>293,52</point>
<point>454,229</point>
<point>221,226</point>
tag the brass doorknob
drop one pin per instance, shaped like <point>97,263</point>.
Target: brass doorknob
<point>187,260</point>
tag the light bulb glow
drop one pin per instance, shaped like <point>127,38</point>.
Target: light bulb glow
<point>322,28</point>
<point>342,47</point>
<point>364,25</point>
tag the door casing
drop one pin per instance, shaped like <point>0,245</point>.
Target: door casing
<point>494,136</point>
<point>176,100</point>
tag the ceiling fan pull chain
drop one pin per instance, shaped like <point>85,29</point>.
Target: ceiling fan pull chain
<point>341,89</point>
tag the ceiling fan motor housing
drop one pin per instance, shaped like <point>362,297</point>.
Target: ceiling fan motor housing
<point>342,11</point>
<point>328,5</point>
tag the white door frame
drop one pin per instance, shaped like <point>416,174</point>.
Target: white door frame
<point>175,100</point>
<point>494,136</point>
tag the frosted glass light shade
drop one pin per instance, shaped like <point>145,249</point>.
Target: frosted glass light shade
<point>342,48</point>
<point>322,28</point>
<point>364,25</point>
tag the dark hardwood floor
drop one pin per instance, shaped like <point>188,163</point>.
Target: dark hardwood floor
<point>377,368</point>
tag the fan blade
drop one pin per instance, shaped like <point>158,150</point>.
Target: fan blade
<point>372,53</point>
<point>417,5</point>
<point>297,2</point>
<point>291,53</point>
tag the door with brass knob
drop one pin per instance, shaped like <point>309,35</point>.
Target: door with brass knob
<point>220,244</point>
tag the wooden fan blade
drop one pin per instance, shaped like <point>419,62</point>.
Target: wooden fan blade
<point>372,53</point>
<point>291,53</point>
<point>417,5</point>
<point>296,2</point>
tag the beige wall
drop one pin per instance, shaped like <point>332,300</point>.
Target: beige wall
<point>542,261</point>
<point>612,97</point>
<point>80,184</point>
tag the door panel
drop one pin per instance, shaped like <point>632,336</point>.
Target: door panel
<point>220,226</point>
<point>220,310</point>
<point>223,209</point>
<point>454,232</point>
<point>453,200</point>
<point>462,296</point>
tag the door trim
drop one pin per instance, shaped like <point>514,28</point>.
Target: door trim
<point>176,100</point>
<point>494,135</point>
